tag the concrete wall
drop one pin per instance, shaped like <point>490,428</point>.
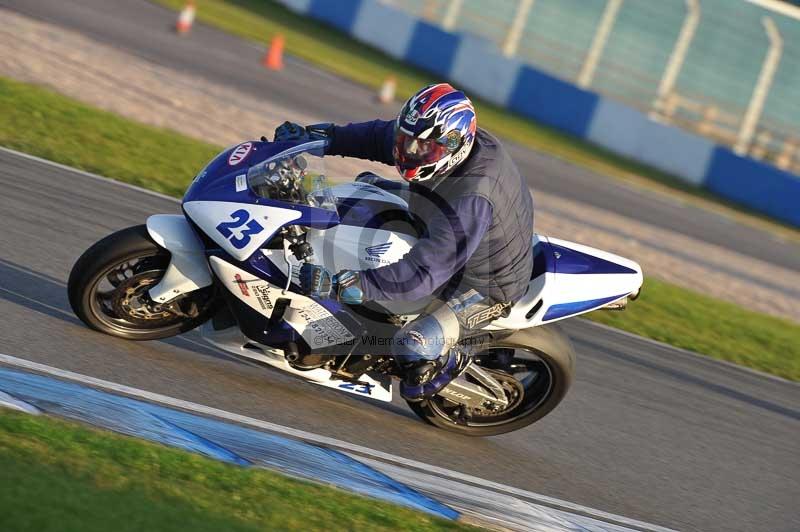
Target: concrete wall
<point>475,66</point>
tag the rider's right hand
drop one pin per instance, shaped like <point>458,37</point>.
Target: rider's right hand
<point>292,132</point>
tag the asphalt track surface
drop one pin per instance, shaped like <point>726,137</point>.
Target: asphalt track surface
<point>647,431</point>
<point>144,29</point>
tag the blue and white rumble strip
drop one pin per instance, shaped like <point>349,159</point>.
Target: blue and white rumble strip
<point>250,442</point>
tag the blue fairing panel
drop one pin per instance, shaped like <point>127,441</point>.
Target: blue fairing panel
<point>567,309</point>
<point>572,261</point>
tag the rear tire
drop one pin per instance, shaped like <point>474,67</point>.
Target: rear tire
<point>129,262</point>
<point>556,363</point>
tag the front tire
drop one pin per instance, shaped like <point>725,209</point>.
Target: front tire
<point>108,288</point>
<point>541,360</point>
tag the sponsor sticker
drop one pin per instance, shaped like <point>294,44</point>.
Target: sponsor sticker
<point>239,153</point>
<point>261,292</point>
<point>488,314</point>
<point>242,284</point>
<point>412,117</point>
<point>374,253</point>
<point>241,182</point>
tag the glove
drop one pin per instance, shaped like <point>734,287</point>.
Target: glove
<point>315,280</point>
<point>347,285</point>
<point>291,132</point>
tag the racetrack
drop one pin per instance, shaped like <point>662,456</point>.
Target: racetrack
<point>647,431</point>
<point>144,30</point>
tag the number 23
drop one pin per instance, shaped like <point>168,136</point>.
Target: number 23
<point>240,218</point>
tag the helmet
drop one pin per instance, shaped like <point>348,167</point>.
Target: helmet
<point>434,132</point>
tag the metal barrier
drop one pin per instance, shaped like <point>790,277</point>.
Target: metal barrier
<point>725,69</point>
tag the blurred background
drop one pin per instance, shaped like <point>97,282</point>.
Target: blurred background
<point>728,70</point>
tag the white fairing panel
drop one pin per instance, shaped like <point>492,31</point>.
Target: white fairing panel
<point>188,269</point>
<point>239,228</point>
<point>347,247</point>
<point>357,190</point>
<point>318,327</point>
<point>233,341</point>
<point>554,294</point>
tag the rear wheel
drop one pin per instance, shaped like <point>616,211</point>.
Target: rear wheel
<point>535,369</point>
<point>108,289</point>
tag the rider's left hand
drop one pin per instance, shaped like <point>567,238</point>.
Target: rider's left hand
<point>345,286</point>
<point>315,280</point>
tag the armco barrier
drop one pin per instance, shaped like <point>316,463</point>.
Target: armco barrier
<point>477,66</point>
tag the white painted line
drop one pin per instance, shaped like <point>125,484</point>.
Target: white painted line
<point>328,442</point>
<point>9,401</point>
<point>87,174</point>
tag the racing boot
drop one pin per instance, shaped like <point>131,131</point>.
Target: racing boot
<point>425,378</point>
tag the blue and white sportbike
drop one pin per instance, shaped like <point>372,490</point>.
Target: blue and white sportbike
<point>230,263</point>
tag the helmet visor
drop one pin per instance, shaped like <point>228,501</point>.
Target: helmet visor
<point>412,152</point>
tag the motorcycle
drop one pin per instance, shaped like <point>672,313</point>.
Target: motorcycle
<point>229,265</point>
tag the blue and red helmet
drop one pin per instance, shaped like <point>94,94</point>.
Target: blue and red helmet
<point>434,132</point>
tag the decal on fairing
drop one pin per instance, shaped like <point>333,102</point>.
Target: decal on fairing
<point>241,183</point>
<point>239,231</point>
<point>239,153</point>
<point>238,228</point>
<point>318,327</point>
<point>364,388</point>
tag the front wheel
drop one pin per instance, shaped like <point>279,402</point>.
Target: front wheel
<point>535,367</point>
<point>108,289</point>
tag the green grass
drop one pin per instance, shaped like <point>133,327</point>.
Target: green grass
<point>61,476</point>
<point>46,124</point>
<point>693,321</point>
<point>332,50</point>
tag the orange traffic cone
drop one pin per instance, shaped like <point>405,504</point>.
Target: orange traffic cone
<point>185,18</point>
<point>386,94</point>
<point>273,59</point>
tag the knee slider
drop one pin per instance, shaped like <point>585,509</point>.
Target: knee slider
<point>422,339</point>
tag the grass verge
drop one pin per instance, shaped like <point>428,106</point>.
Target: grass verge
<point>332,50</point>
<point>46,124</point>
<point>62,476</point>
<point>693,321</point>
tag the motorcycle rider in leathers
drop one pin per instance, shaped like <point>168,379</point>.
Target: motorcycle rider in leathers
<point>475,254</point>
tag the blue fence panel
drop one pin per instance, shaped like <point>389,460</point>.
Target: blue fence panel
<point>340,14</point>
<point>432,48</point>
<point>755,184</point>
<point>553,102</point>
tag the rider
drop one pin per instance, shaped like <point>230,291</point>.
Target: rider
<point>475,254</point>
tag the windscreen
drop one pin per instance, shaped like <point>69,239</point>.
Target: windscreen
<point>296,175</point>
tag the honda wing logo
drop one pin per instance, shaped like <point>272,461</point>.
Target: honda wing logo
<point>374,253</point>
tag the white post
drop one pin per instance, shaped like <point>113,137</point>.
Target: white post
<point>450,16</point>
<point>761,90</point>
<point>517,27</point>
<point>678,56</point>
<point>599,42</point>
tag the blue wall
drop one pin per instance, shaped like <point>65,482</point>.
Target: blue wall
<point>476,67</point>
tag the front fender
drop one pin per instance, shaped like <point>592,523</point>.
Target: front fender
<point>188,268</point>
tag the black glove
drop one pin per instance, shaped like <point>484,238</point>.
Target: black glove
<point>291,132</point>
